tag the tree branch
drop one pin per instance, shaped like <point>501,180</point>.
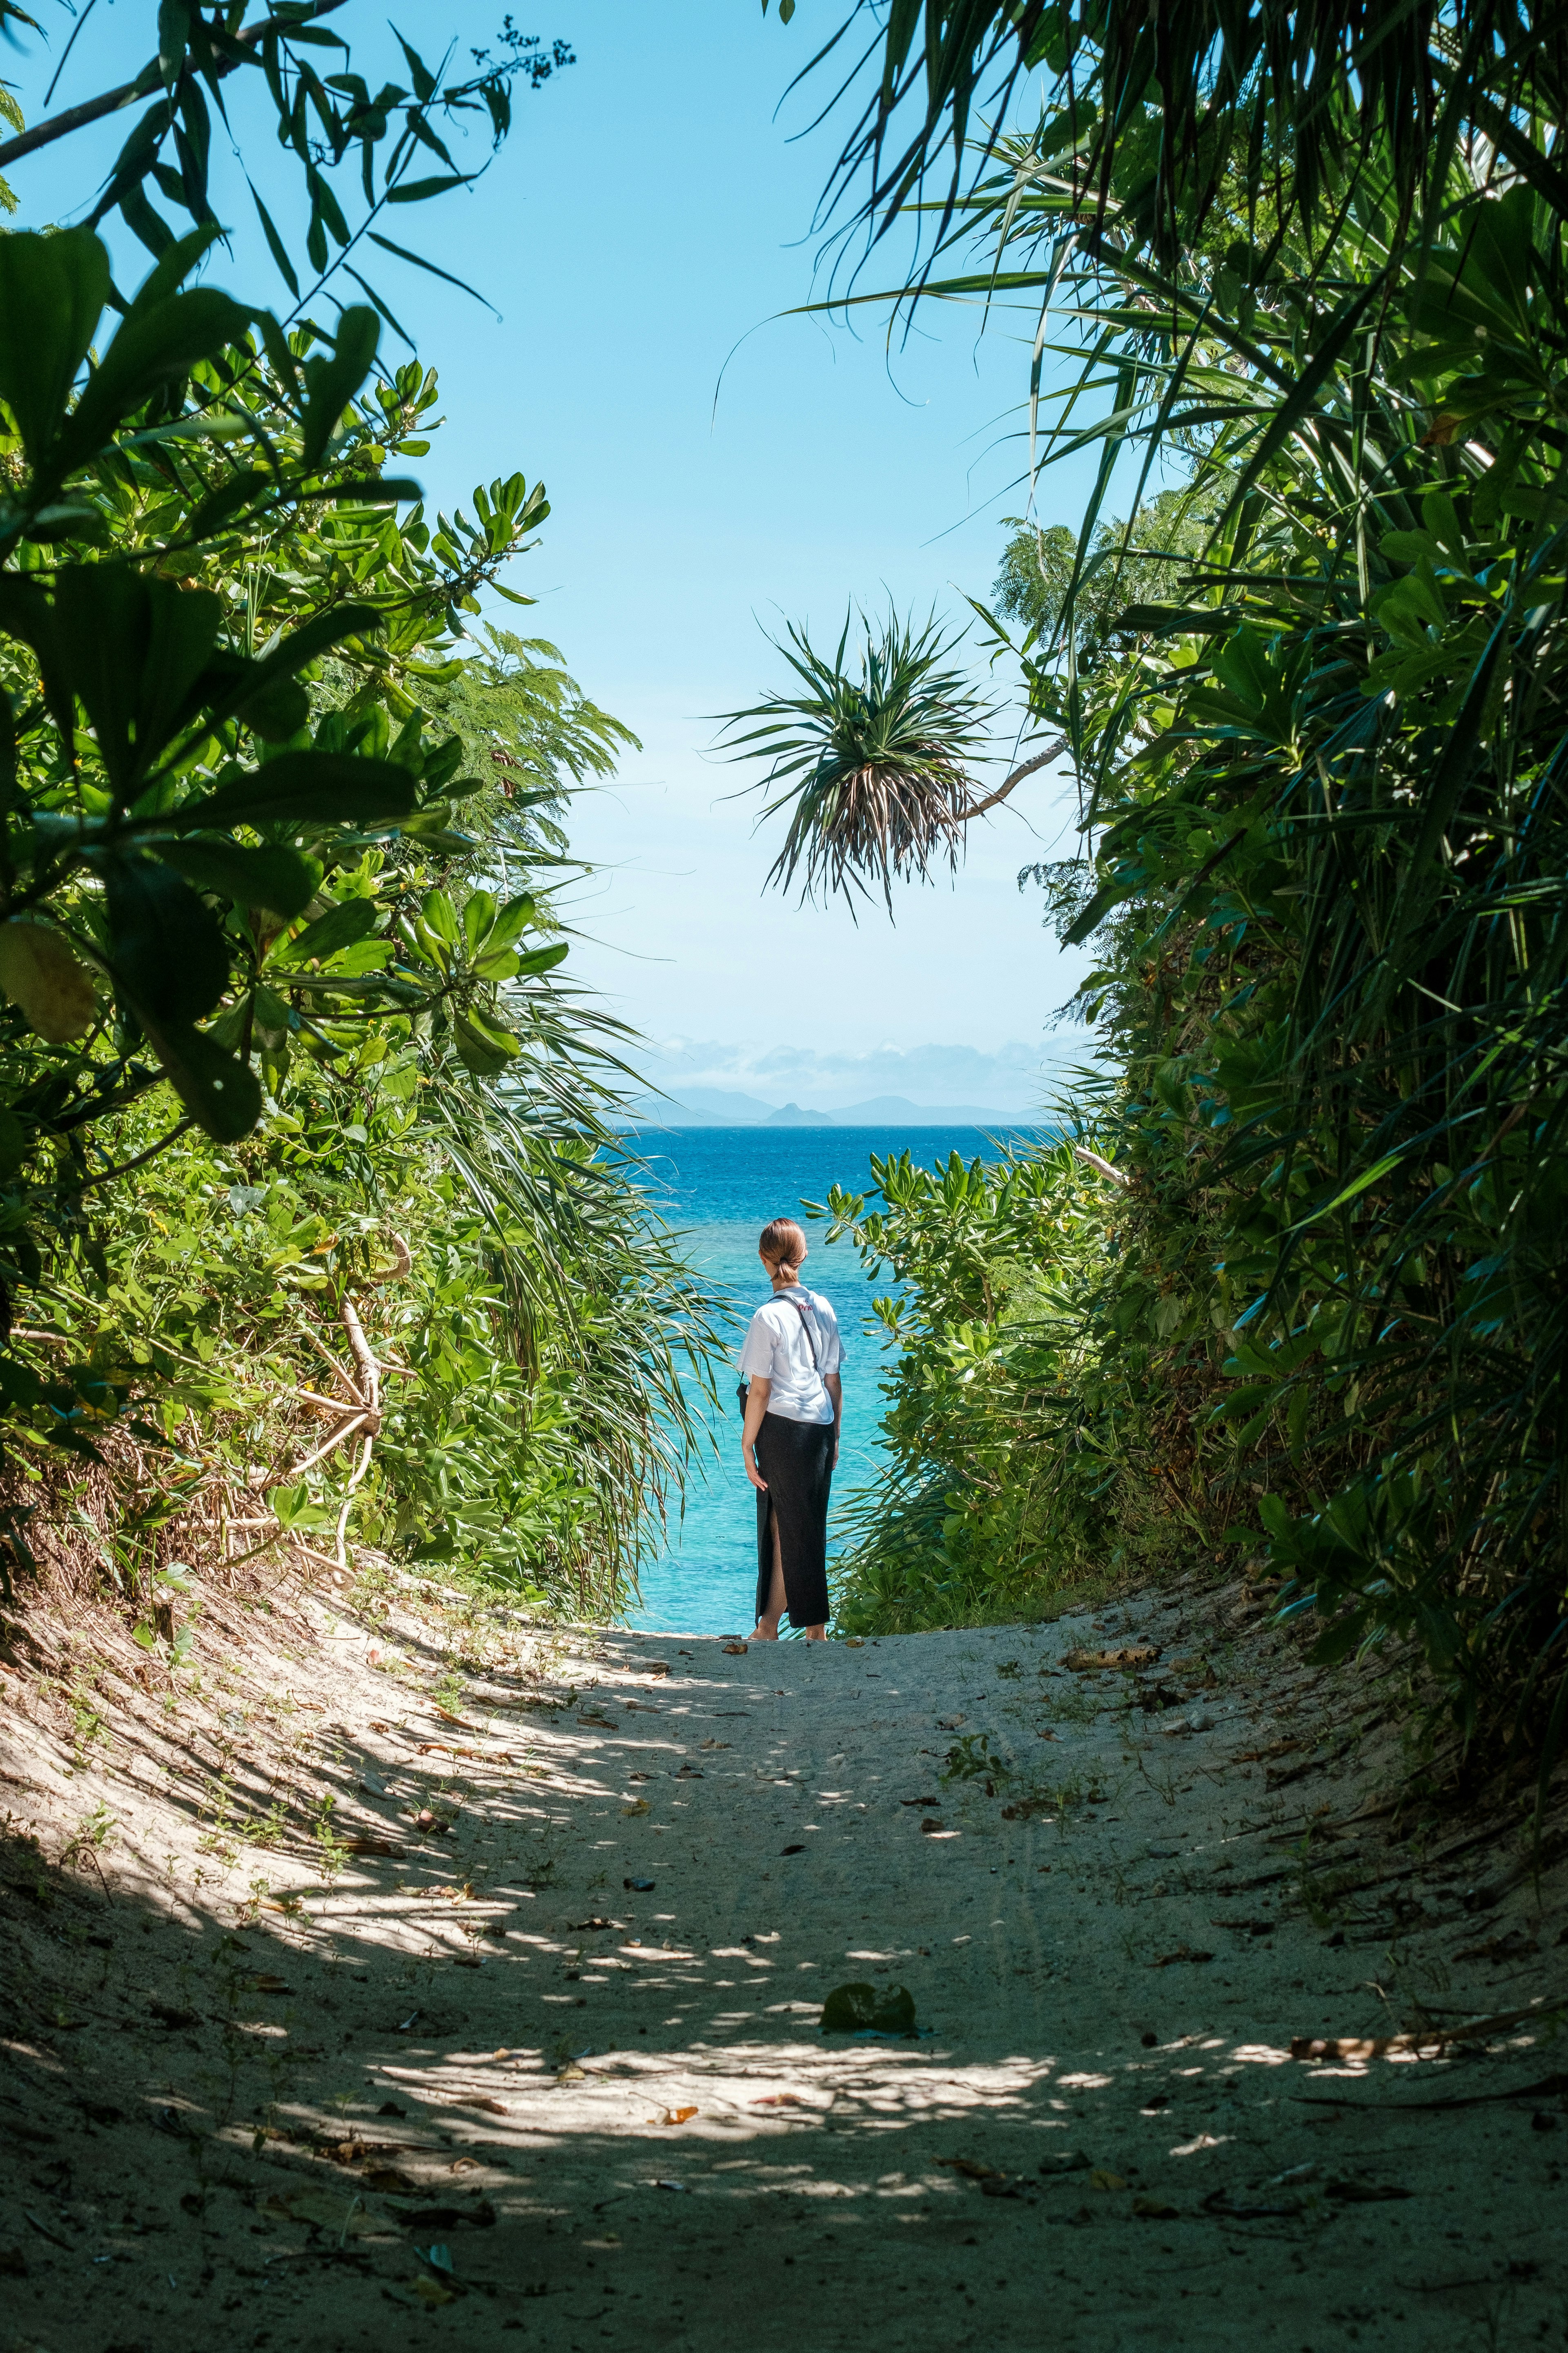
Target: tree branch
<point>105,1175</point>
<point>150,78</point>
<point>1051,752</point>
<point>1117,1176</point>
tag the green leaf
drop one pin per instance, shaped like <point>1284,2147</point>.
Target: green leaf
<point>419,73</point>
<point>414,448</point>
<point>273,876</point>
<point>276,246</point>
<point>19,1384</point>
<point>415,191</point>
<point>166,950</point>
<point>134,647</point>
<point>543,959</point>
<point>220,1093</point>
<point>481,1049</point>
<point>331,383</point>
<point>154,348</point>
<point>52,293</point>
<point>349,921</point>
<point>305,788</point>
<point>441,915</point>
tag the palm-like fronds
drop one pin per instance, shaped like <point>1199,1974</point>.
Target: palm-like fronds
<point>874,768</point>
<point>1177,104</point>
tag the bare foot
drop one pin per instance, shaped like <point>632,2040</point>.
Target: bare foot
<point>761,1634</point>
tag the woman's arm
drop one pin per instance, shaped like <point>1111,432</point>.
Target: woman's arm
<point>834,1384</point>
<point>756,1406</point>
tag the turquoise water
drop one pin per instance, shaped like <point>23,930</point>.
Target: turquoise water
<point>720,1186</point>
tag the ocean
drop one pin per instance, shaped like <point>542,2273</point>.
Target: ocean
<point>720,1186</point>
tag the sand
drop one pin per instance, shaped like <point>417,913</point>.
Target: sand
<point>475,2078</point>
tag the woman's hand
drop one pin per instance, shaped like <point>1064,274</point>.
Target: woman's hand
<point>761,1484</point>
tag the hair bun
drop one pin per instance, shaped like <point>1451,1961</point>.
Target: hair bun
<point>782,1242</point>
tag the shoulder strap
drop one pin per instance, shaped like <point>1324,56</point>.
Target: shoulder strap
<point>805,1314</point>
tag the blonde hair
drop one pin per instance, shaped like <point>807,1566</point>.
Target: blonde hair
<point>782,1243</point>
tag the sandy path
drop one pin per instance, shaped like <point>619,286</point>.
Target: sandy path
<point>478,2085</point>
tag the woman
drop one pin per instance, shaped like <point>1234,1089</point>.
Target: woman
<point>790,1439</point>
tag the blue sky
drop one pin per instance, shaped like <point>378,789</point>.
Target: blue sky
<point>646,223</point>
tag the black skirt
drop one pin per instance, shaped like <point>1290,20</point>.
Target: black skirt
<point>795,1458</point>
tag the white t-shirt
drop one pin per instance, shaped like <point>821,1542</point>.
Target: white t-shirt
<point>776,1351</point>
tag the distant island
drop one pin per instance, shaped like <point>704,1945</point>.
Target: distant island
<point>713,1107</point>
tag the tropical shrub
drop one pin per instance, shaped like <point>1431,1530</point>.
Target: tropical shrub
<point>1020,1450</point>
<point>1312,266</point>
<point>287,1072</point>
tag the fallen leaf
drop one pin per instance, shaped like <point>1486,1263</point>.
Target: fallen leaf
<point>570,2075</point>
<point>796,1849</point>
<point>1363,2193</point>
<point>656,1667</point>
<point>854,1642</point>
<point>430,2292</point>
<point>169,2013</point>
<point>1071,2160</point>
<point>971,2169</point>
<point>479,2100</point>
<point>715,1744</point>
<point>930,1823</point>
<point>780,2100</point>
<point>594,1923</point>
<point>270,1984</point>
<point>669,2185</point>
<point>638,1806</point>
<point>675,2115</point>
<point>1182,1953</point>
<point>731,1651</point>
<point>1103,2179</point>
<point>1154,2209</point>
<point>372,1846</point>
<point>599,1723</point>
<point>920,1801</point>
<point>949,1723</point>
<point>467,1961</point>
<point>387,2176</point>
<point>639,1886</point>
